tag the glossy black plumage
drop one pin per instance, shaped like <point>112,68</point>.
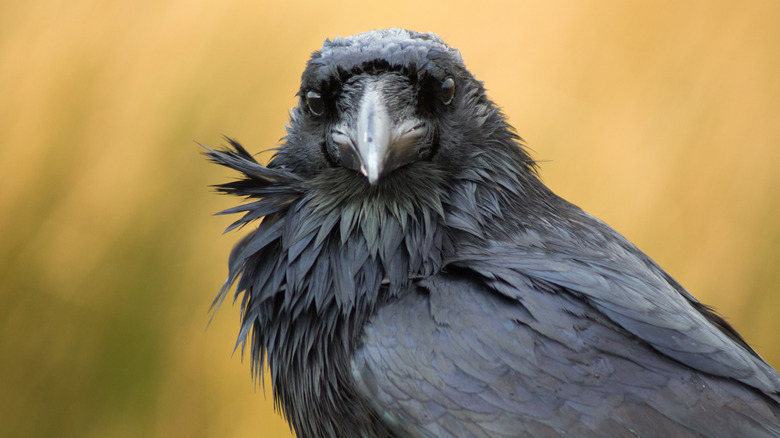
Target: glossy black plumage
<point>448,292</point>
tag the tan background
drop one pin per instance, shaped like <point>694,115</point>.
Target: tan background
<point>662,118</point>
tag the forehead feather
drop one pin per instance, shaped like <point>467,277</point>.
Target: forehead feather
<point>387,49</point>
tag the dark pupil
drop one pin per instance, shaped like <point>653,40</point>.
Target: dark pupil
<point>314,101</point>
<point>447,90</point>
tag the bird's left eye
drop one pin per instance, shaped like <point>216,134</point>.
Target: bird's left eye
<point>315,102</point>
<point>447,91</point>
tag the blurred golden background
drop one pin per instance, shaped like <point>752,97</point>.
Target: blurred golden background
<point>661,118</point>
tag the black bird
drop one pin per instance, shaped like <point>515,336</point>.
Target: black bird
<point>412,277</point>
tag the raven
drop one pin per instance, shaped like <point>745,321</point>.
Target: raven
<point>411,276</point>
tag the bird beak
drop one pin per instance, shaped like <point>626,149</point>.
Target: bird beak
<point>374,133</point>
<point>380,141</point>
<point>383,134</point>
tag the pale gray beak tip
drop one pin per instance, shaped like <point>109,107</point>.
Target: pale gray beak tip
<point>372,174</point>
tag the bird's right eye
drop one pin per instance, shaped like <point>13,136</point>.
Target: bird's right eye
<point>315,103</point>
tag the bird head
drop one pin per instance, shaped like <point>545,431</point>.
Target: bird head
<point>381,101</point>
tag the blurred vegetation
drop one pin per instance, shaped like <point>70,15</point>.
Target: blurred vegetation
<point>660,118</point>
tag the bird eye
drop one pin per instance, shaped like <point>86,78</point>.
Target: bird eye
<point>447,91</point>
<point>315,103</point>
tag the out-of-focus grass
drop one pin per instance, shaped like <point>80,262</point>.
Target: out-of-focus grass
<point>660,118</point>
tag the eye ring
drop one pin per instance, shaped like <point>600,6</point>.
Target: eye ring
<point>315,102</point>
<point>447,91</point>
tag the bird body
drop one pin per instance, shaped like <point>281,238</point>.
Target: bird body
<point>412,277</point>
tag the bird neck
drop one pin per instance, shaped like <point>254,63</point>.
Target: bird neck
<point>336,254</point>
